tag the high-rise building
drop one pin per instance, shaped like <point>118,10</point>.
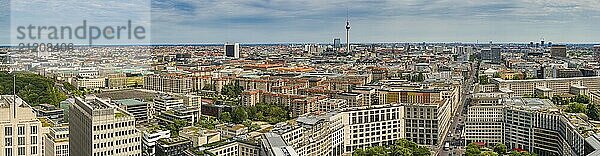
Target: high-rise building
<point>492,54</point>
<point>337,43</point>
<point>232,50</point>
<point>558,51</point>
<point>97,128</point>
<point>20,130</point>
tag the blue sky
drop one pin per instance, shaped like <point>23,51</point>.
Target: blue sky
<point>276,21</point>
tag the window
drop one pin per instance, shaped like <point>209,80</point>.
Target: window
<point>33,129</point>
<point>21,151</point>
<point>21,141</point>
<point>8,151</point>
<point>8,141</point>
<point>21,131</point>
<point>33,140</point>
<point>33,150</point>
<point>7,131</point>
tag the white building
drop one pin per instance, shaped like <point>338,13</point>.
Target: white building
<point>57,142</point>
<point>99,128</point>
<point>20,130</point>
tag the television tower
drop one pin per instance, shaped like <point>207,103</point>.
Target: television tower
<point>347,33</point>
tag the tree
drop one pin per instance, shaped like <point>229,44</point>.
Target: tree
<point>576,107</point>
<point>239,115</point>
<point>488,153</point>
<point>500,149</point>
<point>584,99</point>
<point>483,80</point>
<point>225,117</point>
<point>176,126</point>
<point>592,112</point>
<point>473,150</point>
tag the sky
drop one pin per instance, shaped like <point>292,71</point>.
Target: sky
<point>319,21</point>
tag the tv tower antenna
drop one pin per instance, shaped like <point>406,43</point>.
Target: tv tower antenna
<point>348,30</point>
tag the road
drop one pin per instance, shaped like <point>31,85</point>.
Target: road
<point>456,129</point>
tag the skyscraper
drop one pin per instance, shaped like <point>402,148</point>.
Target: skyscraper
<point>337,44</point>
<point>97,127</point>
<point>232,50</point>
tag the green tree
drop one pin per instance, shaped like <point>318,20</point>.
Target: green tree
<point>488,153</point>
<point>225,117</point>
<point>239,115</point>
<point>592,112</point>
<point>576,107</point>
<point>176,126</point>
<point>500,149</point>
<point>483,80</point>
<point>584,99</point>
<point>473,150</point>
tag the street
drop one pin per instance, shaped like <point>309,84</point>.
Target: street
<point>454,136</point>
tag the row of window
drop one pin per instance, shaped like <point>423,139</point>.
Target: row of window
<point>20,151</point>
<point>8,131</point>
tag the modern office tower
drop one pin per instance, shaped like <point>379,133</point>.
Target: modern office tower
<point>97,128</point>
<point>557,85</point>
<point>484,118</point>
<point>493,54</point>
<point>56,142</point>
<point>137,108</point>
<point>172,146</point>
<point>558,51</point>
<point>232,50</point>
<point>20,130</point>
<point>337,43</point>
<point>169,83</point>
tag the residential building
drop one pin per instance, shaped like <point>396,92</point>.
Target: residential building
<point>172,146</point>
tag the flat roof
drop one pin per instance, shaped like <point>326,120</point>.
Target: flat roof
<point>129,102</point>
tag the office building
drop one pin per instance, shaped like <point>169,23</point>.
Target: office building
<point>557,85</point>
<point>21,131</point>
<point>558,51</point>
<point>169,83</point>
<point>56,142</point>
<point>172,146</point>
<point>493,54</point>
<point>137,108</point>
<point>97,128</point>
<point>232,50</point>
<point>151,135</point>
<point>163,103</point>
<point>484,118</point>
<point>337,43</point>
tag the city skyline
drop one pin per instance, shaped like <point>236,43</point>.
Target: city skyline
<point>177,21</point>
